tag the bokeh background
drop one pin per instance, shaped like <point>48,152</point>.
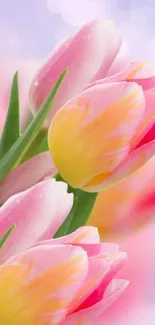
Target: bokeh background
<point>29,30</point>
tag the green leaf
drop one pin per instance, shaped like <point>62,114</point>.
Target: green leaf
<point>14,156</point>
<point>80,212</point>
<point>43,146</point>
<point>64,228</point>
<point>6,236</point>
<point>37,146</point>
<point>11,130</point>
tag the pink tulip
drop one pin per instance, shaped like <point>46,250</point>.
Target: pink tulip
<point>100,54</point>
<point>95,139</point>
<point>37,214</point>
<point>66,281</point>
<point>88,55</point>
<point>105,63</point>
<point>126,206</point>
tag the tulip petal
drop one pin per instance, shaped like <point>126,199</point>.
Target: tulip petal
<point>144,130</point>
<point>88,138</point>
<point>83,235</point>
<point>139,72</point>
<point>146,83</point>
<point>119,76</point>
<point>101,272</point>
<point>40,284</point>
<point>91,315</point>
<point>94,51</point>
<point>149,133</point>
<point>97,271</point>
<point>133,162</point>
<point>120,63</point>
<point>26,175</point>
<point>37,214</point>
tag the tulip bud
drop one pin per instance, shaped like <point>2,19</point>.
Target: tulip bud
<point>88,55</point>
<point>91,136</point>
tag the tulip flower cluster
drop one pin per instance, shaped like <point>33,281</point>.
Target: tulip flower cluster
<point>84,161</point>
<point>102,136</point>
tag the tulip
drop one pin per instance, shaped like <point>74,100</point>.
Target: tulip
<point>46,280</point>
<point>70,280</point>
<point>95,139</point>
<point>126,206</point>
<point>88,55</point>
<point>110,60</point>
<point>37,214</point>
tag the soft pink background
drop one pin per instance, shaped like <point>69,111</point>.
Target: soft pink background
<point>29,30</point>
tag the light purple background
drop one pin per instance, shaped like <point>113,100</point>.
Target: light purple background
<point>30,29</point>
<point>33,27</point>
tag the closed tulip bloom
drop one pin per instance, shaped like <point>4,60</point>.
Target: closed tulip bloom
<point>37,213</point>
<point>96,138</point>
<point>53,281</point>
<point>70,280</point>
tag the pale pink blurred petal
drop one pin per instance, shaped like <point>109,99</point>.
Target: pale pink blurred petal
<point>109,249</point>
<point>8,67</point>
<point>27,71</point>
<point>26,175</point>
<point>139,270</point>
<point>37,214</point>
<point>120,202</point>
<point>144,209</point>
